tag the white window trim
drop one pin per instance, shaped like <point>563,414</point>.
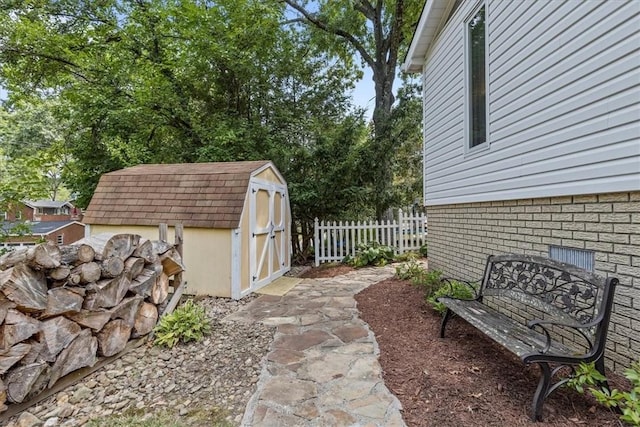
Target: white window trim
<point>468,150</point>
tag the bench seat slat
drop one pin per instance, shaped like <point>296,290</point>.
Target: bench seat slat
<point>512,335</point>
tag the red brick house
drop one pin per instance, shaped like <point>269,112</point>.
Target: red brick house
<point>56,221</point>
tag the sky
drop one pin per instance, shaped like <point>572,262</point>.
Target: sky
<point>364,92</point>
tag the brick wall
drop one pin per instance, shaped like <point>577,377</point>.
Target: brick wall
<point>461,236</point>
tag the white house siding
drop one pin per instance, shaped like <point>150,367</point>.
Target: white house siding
<point>564,103</point>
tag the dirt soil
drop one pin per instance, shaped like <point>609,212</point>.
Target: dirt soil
<point>465,379</point>
<point>327,270</point>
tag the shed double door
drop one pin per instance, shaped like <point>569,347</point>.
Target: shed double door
<point>269,236</point>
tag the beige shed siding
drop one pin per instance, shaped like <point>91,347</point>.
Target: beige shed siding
<point>269,175</point>
<point>564,109</point>
<point>206,253</point>
<point>461,236</point>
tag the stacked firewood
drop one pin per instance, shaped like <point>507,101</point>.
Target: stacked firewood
<point>62,307</point>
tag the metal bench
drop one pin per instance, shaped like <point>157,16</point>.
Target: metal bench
<point>545,312</point>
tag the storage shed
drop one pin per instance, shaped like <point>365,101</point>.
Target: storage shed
<point>236,219</point>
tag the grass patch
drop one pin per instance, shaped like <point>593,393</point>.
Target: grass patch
<point>138,418</point>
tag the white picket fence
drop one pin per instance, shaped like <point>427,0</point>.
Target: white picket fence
<point>335,240</point>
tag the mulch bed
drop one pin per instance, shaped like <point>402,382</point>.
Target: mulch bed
<point>465,379</point>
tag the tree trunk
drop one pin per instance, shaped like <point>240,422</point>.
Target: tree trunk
<point>111,267</point>
<point>172,262</point>
<point>59,273</point>
<point>17,327</point>
<point>113,338</point>
<point>133,267</point>
<point>145,251</point>
<point>62,301</point>
<point>45,255</point>
<point>94,319</point>
<point>146,319</point>
<point>87,273</point>
<point>12,356</point>
<point>5,306</point>
<point>77,254</point>
<point>160,289</point>
<point>106,293</point>
<point>80,353</point>
<point>22,380</point>
<point>57,334</point>
<point>127,309</point>
<point>26,287</point>
<point>107,245</point>
<point>142,284</point>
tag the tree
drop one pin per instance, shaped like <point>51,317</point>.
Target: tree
<point>377,31</point>
<point>33,139</point>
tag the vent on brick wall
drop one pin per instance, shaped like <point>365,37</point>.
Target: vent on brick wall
<point>580,257</point>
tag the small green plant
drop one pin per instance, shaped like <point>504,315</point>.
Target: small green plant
<point>423,250</point>
<point>188,322</point>
<point>427,280</point>
<point>587,377</point>
<point>372,253</point>
<point>408,270</point>
<point>452,288</point>
<point>406,257</point>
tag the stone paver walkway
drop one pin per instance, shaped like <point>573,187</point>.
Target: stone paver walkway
<point>322,368</point>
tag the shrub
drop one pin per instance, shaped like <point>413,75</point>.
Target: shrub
<point>452,288</point>
<point>586,375</point>
<point>407,270</point>
<point>372,253</point>
<point>186,323</point>
<point>406,257</point>
<point>428,280</point>
<point>423,250</point>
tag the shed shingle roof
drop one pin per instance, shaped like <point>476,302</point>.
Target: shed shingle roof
<point>208,195</point>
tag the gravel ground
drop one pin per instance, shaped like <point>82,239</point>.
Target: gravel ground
<point>217,374</point>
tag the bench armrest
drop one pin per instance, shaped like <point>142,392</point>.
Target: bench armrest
<point>449,281</point>
<point>578,327</point>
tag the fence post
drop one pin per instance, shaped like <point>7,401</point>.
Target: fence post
<point>400,232</point>
<point>316,241</point>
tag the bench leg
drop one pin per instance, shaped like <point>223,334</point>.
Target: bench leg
<point>445,319</point>
<point>599,364</point>
<point>541,391</point>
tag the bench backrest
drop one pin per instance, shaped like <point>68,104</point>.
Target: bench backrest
<point>562,291</point>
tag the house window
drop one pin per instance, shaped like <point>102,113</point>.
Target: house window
<point>60,239</point>
<point>476,78</point>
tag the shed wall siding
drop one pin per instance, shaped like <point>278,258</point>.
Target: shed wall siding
<point>564,103</point>
<point>461,236</point>
<point>204,250</point>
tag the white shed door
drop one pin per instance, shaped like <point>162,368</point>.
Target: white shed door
<point>269,241</point>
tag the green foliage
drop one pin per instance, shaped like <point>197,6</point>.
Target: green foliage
<point>186,323</point>
<point>372,253</point>
<point>587,377</point>
<point>409,269</point>
<point>427,280</point>
<point>451,288</point>
<point>33,140</point>
<point>406,257</point>
<point>110,84</point>
<point>423,250</point>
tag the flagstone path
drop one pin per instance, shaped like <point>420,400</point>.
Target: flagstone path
<point>322,368</point>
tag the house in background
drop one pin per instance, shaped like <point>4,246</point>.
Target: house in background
<point>44,210</point>
<point>60,232</point>
<point>532,139</point>
<point>56,221</point>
